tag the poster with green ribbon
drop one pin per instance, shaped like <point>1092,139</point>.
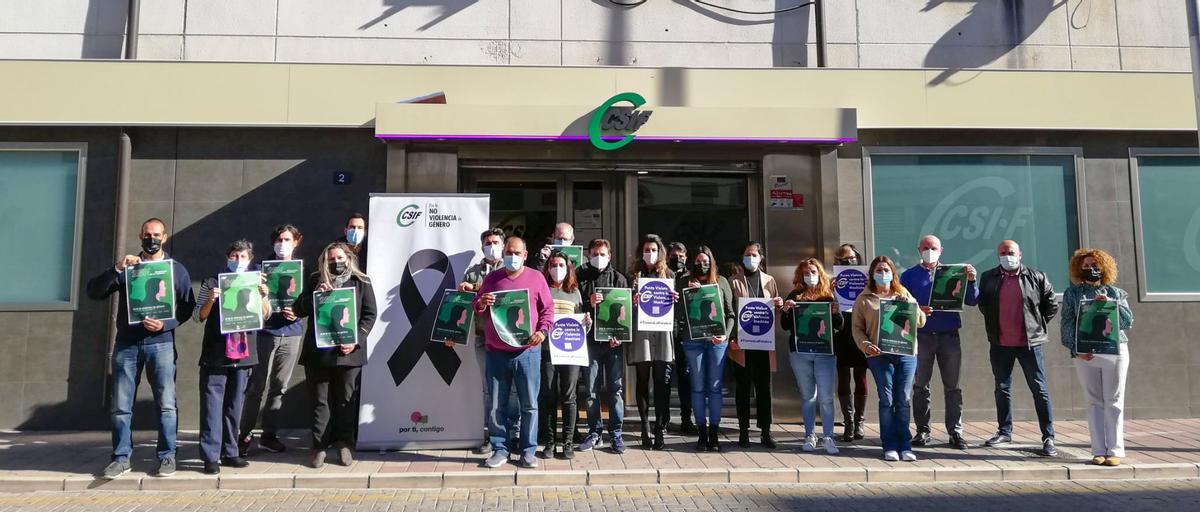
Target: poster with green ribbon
<point>1098,331</point>
<point>949,288</point>
<point>241,301</point>
<point>614,315</point>
<point>812,327</point>
<point>454,317</point>
<point>572,252</point>
<point>150,291</point>
<point>336,321</point>
<point>705,314</point>
<point>897,332</point>
<point>510,316</point>
<point>285,281</point>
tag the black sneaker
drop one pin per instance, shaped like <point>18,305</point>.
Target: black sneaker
<point>115,469</point>
<point>271,444</point>
<point>234,462</point>
<point>212,468</point>
<point>999,440</point>
<point>1048,449</point>
<point>166,467</point>
<point>922,439</point>
<point>568,451</point>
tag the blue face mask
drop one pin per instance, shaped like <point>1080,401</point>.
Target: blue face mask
<point>751,262</point>
<point>513,262</point>
<point>882,279</point>
<point>236,265</point>
<point>354,236</point>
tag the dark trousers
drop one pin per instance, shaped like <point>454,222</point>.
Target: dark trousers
<point>852,392</point>
<point>684,383</point>
<point>222,395</point>
<point>1032,364</point>
<point>658,372</point>
<point>944,349</point>
<point>333,391</point>
<point>756,373</point>
<point>557,390</point>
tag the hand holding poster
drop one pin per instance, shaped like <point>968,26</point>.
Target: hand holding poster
<point>848,282</point>
<point>1098,331</point>
<point>812,327</point>
<point>756,324</point>
<point>949,288</point>
<point>241,301</point>
<point>336,320</point>
<point>510,316</point>
<point>573,253</point>
<point>150,291</point>
<point>614,315</point>
<point>285,281</point>
<point>568,339</point>
<point>705,316</point>
<point>454,317</point>
<point>897,327</point>
<point>656,305</point>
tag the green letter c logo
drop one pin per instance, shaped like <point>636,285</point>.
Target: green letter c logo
<point>598,116</point>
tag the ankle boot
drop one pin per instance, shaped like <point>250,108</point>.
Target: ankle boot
<point>713,445</point>
<point>658,438</point>
<point>859,430</point>
<point>848,431</point>
<point>645,434</point>
<point>702,441</point>
<point>744,438</point>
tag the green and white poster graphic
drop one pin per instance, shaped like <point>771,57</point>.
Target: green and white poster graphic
<point>150,291</point>
<point>510,316</point>
<point>285,281</point>
<point>897,327</point>
<point>241,301</point>
<point>812,327</point>
<point>573,253</point>
<point>454,317</point>
<point>949,288</point>
<point>1098,331</point>
<point>705,314</point>
<point>614,315</point>
<point>337,317</point>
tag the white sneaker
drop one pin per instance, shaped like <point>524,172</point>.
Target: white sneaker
<point>830,446</point>
<point>810,443</point>
<point>908,456</point>
<point>891,456</point>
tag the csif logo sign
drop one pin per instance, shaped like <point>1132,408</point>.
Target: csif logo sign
<point>957,218</point>
<point>408,215</point>
<point>620,118</point>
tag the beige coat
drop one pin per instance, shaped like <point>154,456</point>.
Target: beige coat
<point>741,289</point>
<point>865,318</point>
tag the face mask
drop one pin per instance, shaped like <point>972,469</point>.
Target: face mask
<point>882,279</point>
<point>284,249</point>
<point>1009,263</point>
<point>1092,274</point>
<point>811,280</point>
<point>600,262</point>
<point>237,265</point>
<point>337,268</point>
<point>493,252</point>
<point>751,262</point>
<point>676,264</point>
<point>513,262</point>
<point>930,256</point>
<point>355,235</point>
<point>558,274</point>
<point>562,241</point>
<point>151,245</point>
<point>848,261</point>
<point>651,258</point>
<point>701,269</point>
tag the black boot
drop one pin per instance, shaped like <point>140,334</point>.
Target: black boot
<point>686,426</point>
<point>848,431</point>
<point>859,430</point>
<point>744,438</point>
<point>658,438</point>
<point>645,434</point>
<point>713,445</point>
<point>767,441</point>
<point>847,417</point>
<point>702,442</point>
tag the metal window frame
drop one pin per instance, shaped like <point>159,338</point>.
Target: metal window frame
<point>80,148</point>
<point>1075,152</point>
<point>1135,188</point>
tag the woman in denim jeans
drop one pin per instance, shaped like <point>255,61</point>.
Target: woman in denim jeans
<point>706,356</point>
<point>815,367</point>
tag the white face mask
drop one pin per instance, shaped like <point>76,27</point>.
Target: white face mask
<point>493,252</point>
<point>751,262</point>
<point>1010,263</point>
<point>930,256</point>
<point>811,280</point>
<point>600,262</point>
<point>513,262</point>
<point>651,258</point>
<point>563,241</point>
<point>284,249</point>
<point>558,274</point>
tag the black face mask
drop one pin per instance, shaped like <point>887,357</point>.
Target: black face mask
<point>1092,274</point>
<point>701,269</point>
<point>337,267</point>
<point>676,264</point>
<point>849,261</point>
<point>151,245</point>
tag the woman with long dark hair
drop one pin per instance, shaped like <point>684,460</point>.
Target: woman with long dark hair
<point>652,352</point>
<point>851,363</point>
<point>706,356</point>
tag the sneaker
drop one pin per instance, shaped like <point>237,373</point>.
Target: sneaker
<point>244,446</point>
<point>810,443</point>
<point>568,451</point>
<point>908,456</point>
<point>318,459</point>
<point>891,456</point>
<point>830,446</point>
<point>271,444</point>
<point>528,461</point>
<point>484,448</point>
<point>166,467</point>
<point>618,444</point>
<point>999,440</point>
<point>548,451</point>
<point>922,439</point>
<point>234,462</point>
<point>496,460</point>
<point>212,468</point>
<point>345,456</point>
<point>116,468</point>
<point>1048,449</point>
<point>590,442</point>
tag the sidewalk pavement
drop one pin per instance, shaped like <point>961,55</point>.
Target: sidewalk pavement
<point>1166,448</point>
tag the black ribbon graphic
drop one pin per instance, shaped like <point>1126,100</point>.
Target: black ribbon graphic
<point>421,317</point>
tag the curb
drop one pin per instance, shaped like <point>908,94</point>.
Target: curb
<point>597,477</point>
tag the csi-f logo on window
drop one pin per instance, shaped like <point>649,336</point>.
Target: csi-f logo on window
<point>612,116</point>
<point>966,214</point>
<point>408,215</point>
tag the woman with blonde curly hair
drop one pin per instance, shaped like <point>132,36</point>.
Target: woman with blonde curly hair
<point>1102,376</point>
<point>815,368</point>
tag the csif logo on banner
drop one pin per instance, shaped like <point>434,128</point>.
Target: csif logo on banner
<point>413,213</point>
<point>955,218</point>
<point>622,119</point>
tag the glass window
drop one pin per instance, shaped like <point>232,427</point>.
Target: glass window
<point>974,201</point>
<point>1169,222</point>
<point>37,202</point>
<point>694,210</point>
<point>528,209</point>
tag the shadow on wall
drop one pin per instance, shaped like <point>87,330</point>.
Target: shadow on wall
<point>104,29</point>
<point>955,50</point>
<point>789,41</point>
<point>392,7</point>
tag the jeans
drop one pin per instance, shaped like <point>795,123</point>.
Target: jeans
<point>277,359</point>
<point>333,391</point>
<point>757,374</point>
<point>946,349</point>
<point>1103,382</point>
<point>894,378</point>
<point>505,371</point>
<point>706,369</point>
<point>815,375</point>
<point>609,362</point>
<point>222,395</point>
<point>128,361</point>
<point>514,414</point>
<point>1033,365</point>
<point>557,389</point>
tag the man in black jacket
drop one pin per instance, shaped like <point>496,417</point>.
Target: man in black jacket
<point>607,356</point>
<point>1017,303</point>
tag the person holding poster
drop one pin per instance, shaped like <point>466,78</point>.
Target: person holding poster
<point>753,367</point>
<point>559,381</point>
<point>278,344</point>
<point>492,246</point>
<point>938,341</point>
<point>607,355</point>
<point>810,315</point>
<point>226,361</point>
<point>893,372</point>
<point>1101,373</point>
<point>518,365</point>
<point>564,235</point>
<point>332,374</point>
<point>851,363</point>
<point>705,355</point>
<point>149,346</point>
<point>652,352</point>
